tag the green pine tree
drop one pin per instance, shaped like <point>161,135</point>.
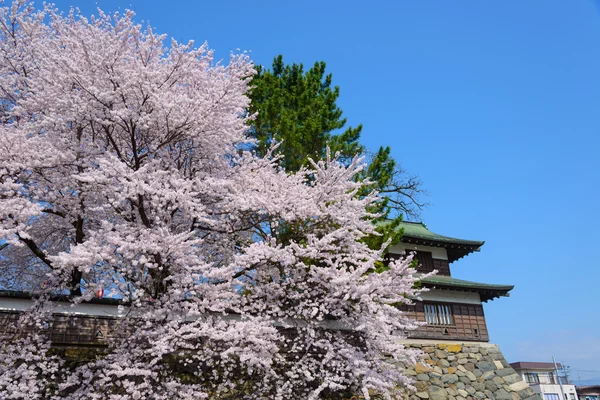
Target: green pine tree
<point>298,109</point>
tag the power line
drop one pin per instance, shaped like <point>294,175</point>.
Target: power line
<point>585,370</point>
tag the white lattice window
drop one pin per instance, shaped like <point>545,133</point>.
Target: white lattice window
<point>438,314</point>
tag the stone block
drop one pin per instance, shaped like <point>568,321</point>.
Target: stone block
<point>441,354</point>
<point>498,381</point>
<point>502,395</point>
<point>486,375</point>
<point>498,365</point>
<point>422,377</point>
<point>449,378</point>
<point>436,381</point>
<point>505,371</point>
<point>489,395</point>
<point>443,363</point>
<point>518,386</point>
<point>526,393</point>
<point>422,395</point>
<point>453,348</point>
<point>471,376</point>
<point>486,366</point>
<point>437,393</point>
<point>421,369</point>
<point>514,378</point>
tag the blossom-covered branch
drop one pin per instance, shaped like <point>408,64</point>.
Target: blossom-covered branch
<point>121,168</point>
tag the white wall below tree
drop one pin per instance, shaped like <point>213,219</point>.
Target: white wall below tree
<point>451,296</point>
<point>436,252</point>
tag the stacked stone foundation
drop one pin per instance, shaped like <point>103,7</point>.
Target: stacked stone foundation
<point>466,371</point>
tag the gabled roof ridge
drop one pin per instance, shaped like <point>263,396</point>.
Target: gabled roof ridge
<point>430,235</point>
<point>415,222</point>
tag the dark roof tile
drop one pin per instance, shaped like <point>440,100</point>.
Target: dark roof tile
<point>534,365</point>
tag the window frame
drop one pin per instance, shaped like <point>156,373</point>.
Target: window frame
<point>438,314</point>
<point>551,396</point>
<point>424,260</point>
<point>532,377</point>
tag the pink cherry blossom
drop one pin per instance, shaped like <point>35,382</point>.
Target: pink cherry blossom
<point>122,173</point>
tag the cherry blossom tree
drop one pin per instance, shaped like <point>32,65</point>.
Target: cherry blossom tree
<point>122,169</point>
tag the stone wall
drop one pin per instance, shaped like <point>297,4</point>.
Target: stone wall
<point>466,371</point>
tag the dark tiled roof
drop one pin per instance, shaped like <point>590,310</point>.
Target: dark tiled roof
<point>534,365</point>
<point>418,233</point>
<point>419,230</point>
<point>487,291</point>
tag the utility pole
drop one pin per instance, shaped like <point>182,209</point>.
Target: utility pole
<point>562,392</point>
<point>566,370</point>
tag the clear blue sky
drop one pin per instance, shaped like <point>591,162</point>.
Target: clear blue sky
<point>494,104</point>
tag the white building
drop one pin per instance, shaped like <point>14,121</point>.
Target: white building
<point>542,377</point>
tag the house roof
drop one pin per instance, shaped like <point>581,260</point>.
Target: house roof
<point>588,390</point>
<point>418,233</point>
<point>487,291</point>
<point>534,365</point>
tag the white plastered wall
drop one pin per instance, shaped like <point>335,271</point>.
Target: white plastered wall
<point>104,310</point>
<point>436,252</point>
<point>450,296</point>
